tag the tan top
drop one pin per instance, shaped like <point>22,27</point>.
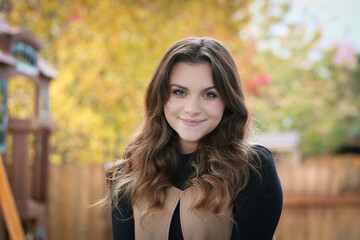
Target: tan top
<point>194,226</point>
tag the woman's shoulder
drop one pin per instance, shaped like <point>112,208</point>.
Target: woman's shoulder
<point>258,206</point>
<point>266,163</point>
<point>262,155</point>
<point>261,150</point>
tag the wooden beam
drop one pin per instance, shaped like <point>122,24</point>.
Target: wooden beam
<point>28,125</point>
<point>8,207</point>
<point>318,200</point>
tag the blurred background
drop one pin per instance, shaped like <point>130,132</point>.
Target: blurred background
<point>76,106</point>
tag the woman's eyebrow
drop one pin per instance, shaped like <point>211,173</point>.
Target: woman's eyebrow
<point>179,86</point>
<point>208,88</point>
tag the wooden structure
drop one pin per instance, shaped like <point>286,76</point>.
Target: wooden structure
<point>28,176</point>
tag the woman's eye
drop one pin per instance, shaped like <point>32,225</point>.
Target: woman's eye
<point>179,92</point>
<point>210,95</point>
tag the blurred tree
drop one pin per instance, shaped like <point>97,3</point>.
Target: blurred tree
<point>106,51</point>
<point>313,90</point>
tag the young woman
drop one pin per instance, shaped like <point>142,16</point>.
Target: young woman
<point>189,173</point>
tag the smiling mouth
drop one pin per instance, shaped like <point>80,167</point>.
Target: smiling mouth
<point>192,122</point>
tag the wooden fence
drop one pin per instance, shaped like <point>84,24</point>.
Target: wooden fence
<point>321,201</point>
<point>73,188</point>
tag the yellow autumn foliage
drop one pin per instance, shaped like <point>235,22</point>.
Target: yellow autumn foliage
<point>106,52</point>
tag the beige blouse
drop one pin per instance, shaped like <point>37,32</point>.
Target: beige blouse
<point>194,226</point>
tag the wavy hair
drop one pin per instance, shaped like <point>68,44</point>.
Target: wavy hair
<point>223,159</point>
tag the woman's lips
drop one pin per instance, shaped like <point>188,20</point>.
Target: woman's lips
<point>191,122</point>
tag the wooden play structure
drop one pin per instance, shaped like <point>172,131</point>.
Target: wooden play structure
<point>24,139</point>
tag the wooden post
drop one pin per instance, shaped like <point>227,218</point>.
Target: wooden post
<point>8,207</point>
<point>21,167</point>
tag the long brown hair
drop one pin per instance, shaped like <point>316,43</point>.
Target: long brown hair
<point>223,159</point>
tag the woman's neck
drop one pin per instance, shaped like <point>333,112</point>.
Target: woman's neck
<point>187,147</point>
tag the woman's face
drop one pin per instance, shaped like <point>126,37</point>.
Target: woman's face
<point>194,107</point>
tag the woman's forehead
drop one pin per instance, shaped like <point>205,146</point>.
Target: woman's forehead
<point>191,74</point>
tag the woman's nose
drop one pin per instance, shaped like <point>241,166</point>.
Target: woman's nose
<point>193,106</point>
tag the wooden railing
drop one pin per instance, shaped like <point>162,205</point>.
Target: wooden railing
<point>307,200</point>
